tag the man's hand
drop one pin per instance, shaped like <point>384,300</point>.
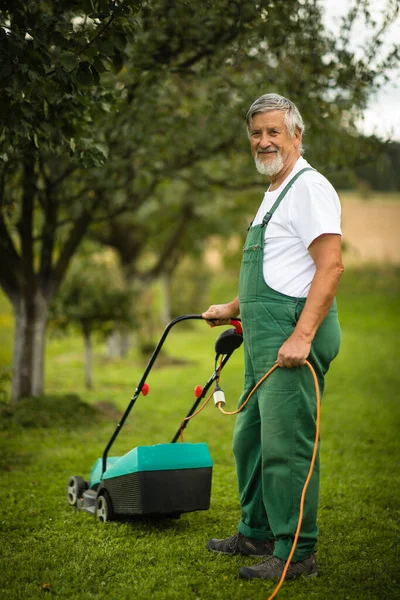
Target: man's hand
<point>294,352</point>
<point>221,314</point>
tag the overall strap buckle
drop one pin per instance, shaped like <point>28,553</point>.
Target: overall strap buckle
<point>266,219</point>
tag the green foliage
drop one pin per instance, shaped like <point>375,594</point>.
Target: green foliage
<point>5,378</point>
<point>190,287</point>
<point>93,295</point>
<point>53,54</point>
<point>381,173</point>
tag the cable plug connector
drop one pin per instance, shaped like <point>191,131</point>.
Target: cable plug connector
<point>219,397</point>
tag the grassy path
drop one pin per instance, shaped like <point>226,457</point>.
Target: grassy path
<point>48,549</point>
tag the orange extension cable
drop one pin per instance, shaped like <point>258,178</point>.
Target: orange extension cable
<point>194,414</point>
<point>202,407</point>
<point>313,458</point>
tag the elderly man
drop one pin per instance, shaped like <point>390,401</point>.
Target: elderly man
<point>290,270</point>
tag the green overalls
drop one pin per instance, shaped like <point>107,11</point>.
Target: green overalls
<point>274,434</point>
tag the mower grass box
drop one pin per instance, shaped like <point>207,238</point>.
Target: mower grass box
<point>166,479</point>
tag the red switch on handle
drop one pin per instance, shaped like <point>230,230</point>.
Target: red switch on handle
<point>238,326</point>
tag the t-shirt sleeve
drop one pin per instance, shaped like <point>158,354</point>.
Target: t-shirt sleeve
<point>316,212</point>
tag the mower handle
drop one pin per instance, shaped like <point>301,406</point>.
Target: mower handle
<point>143,380</point>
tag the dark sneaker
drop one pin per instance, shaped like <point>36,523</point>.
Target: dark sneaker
<point>240,544</point>
<point>272,568</point>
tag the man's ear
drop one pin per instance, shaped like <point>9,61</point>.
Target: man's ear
<point>298,134</point>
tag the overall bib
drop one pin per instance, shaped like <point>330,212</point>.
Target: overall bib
<point>274,434</point>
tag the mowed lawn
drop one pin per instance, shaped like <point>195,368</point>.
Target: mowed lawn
<point>50,550</point>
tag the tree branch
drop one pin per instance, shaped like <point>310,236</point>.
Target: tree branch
<point>2,187</point>
<point>222,183</point>
<point>75,236</point>
<point>49,230</point>
<point>172,243</point>
<point>10,264</point>
<point>25,225</point>
<point>98,34</point>
<point>68,171</point>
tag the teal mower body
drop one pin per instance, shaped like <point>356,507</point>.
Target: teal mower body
<point>164,480</point>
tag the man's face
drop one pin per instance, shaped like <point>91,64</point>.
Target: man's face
<point>271,145</point>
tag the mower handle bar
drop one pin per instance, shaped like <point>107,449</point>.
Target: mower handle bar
<point>143,380</point>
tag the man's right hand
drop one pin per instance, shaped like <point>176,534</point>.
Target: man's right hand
<point>221,314</point>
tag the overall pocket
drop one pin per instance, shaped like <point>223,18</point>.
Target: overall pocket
<point>249,272</point>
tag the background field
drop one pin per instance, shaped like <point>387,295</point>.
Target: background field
<point>371,228</point>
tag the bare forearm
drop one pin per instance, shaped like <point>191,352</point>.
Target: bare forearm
<point>235,307</point>
<point>320,297</point>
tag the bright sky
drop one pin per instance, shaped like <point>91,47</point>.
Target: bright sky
<point>382,116</point>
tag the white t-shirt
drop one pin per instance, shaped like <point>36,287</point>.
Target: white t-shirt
<point>310,208</point>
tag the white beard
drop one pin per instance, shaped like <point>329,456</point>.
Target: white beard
<point>270,168</point>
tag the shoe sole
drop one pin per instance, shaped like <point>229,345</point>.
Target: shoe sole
<point>305,575</point>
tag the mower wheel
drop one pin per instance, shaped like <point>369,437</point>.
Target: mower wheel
<point>76,486</point>
<point>104,510</point>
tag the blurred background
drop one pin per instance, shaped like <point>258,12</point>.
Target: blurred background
<point>126,181</point>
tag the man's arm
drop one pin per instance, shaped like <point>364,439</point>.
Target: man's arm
<point>326,254</point>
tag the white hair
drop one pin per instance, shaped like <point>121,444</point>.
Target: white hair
<point>268,102</point>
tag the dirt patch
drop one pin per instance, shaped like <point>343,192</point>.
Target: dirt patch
<point>107,410</point>
<point>168,361</point>
<point>371,231</point>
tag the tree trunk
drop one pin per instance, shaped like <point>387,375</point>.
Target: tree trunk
<point>39,341</point>
<point>118,343</point>
<point>87,336</point>
<point>165,311</point>
<point>22,365</point>
<point>29,345</point>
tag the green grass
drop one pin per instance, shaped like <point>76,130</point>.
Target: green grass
<point>49,549</point>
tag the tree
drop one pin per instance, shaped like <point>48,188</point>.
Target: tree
<point>92,297</point>
<point>52,53</point>
<point>381,173</point>
<point>64,51</point>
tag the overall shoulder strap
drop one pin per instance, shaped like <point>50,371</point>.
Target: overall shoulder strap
<point>281,196</point>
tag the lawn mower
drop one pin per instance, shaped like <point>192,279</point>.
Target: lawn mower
<point>164,480</point>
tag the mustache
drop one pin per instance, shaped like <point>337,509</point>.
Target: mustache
<point>268,151</point>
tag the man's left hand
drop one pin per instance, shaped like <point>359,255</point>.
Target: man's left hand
<point>294,352</point>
